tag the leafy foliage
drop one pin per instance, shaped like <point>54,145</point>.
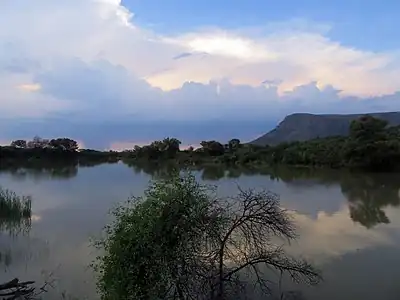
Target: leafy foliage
<point>65,144</point>
<point>165,149</point>
<point>148,240</point>
<point>179,241</point>
<point>19,144</point>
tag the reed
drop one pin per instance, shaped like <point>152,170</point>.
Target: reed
<point>15,211</point>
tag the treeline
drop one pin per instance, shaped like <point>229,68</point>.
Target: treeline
<point>64,144</point>
<point>371,144</point>
<point>39,151</point>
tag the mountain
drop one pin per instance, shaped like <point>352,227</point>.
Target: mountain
<point>303,126</point>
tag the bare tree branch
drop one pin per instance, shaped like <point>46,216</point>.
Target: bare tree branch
<point>182,242</point>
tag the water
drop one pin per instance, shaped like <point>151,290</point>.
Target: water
<point>348,224</point>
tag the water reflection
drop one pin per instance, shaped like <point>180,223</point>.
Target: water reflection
<point>41,171</point>
<point>367,194</point>
<point>52,169</point>
<point>342,218</point>
<point>5,258</point>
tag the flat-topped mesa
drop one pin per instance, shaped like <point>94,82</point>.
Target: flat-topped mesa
<point>305,126</point>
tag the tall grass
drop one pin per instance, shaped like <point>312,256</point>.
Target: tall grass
<point>15,211</point>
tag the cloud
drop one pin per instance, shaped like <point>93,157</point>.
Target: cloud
<point>305,57</point>
<point>87,60</point>
<point>182,55</point>
<point>30,87</point>
<point>101,89</point>
<point>333,235</point>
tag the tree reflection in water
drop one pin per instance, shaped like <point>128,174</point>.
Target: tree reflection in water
<point>41,171</point>
<point>367,193</point>
<point>49,169</point>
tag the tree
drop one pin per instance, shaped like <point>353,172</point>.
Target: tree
<point>371,146</point>
<point>19,144</point>
<point>38,142</point>
<point>167,148</point>
<point>171,146</point>
<point>212,148</point>
<point>234,144</point>
<point>151,151</point>
<point>368,128</point>
<point>65,144</point>
<point>180,241</point>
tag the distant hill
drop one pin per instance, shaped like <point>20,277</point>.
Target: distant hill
<point>303,126</point>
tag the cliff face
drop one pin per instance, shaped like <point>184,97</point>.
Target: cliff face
<point>303,126</point>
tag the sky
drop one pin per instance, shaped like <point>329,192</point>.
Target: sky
<point>111,72</point>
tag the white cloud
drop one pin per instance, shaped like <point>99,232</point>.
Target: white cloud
<point>89,57</point>
<point>307,57</point>
<point>332,235</point>
<point>225,44</point>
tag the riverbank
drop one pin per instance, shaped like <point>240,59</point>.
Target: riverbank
<point>371,145</point>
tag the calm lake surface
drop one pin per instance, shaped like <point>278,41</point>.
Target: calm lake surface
<point>349,224</point>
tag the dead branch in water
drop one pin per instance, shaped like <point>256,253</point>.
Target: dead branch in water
<point>15,289</point>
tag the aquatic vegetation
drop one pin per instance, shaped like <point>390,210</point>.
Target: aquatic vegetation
<point>15,212</point>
